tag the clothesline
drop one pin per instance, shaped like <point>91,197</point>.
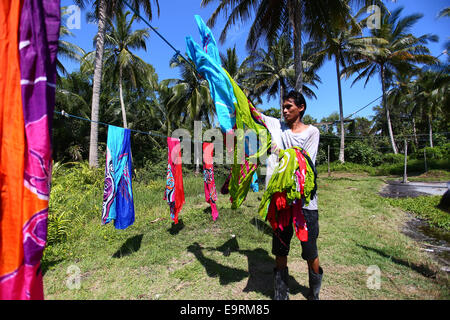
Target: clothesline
<point>177,52</point>
<point>65,114</point>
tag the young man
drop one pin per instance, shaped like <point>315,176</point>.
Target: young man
<point>293,132</point>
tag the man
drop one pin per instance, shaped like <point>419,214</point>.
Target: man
<point>293,132</point>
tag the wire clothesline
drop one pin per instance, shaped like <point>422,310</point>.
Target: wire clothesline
<point>156,134</point>
<point>150,133</point>
<point>177,52</point>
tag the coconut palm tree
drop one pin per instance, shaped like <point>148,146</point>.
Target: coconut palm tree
<point>335,44</point>
<point>119,59</point>
<point>395,50</point>
<point>399,95</point>
<point>101,10</point>
<point>274,72</point>
<point>242,73</point>
<point>272,17</point>
<point>194,99</point>
<point>66,49</point>
<point>429,94</point>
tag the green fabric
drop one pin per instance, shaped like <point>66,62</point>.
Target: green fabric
<point>241,176</point>
<point>284,180</point>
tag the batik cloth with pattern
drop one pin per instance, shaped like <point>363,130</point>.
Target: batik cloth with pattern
<point>291,186</point>
<point>118,204</point>
<point>28,47</point>
<point>208,178</point>
<point>174,191</point>
<point>233,112</point>
<point>254,185</point>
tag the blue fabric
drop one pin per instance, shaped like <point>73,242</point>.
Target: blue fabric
<point>118,202</point>
<point>255,185</point>
<point>207,61</point>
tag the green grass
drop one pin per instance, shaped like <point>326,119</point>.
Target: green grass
<point>424,207</point>
<point>438,170</point>
<point>231,257</point>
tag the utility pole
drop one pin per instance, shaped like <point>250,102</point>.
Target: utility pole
<point>329,172</point>
<point>405,179</point>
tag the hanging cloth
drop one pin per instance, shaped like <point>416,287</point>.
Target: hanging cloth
<point>27,97</point>
<point>234,112</point>
<point>118,202</point>
<point>292,186</point>
<point>255,185</point>
<point>174,192</point>
<point>208,177</point>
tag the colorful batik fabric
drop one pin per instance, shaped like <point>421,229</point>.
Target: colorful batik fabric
<point>291,186</point>
<point>207,61</point>
<point>118,204</point>
<point>254,185</point>
<point>208,178</point>
<point>234,114</point>
<point>30,33</point>
<point>174,191</point>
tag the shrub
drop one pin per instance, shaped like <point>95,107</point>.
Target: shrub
<point>437,153</point>
<point>345,167</point>
<point>361,153</point>
<point>76,195</point>
<point>393,158</point>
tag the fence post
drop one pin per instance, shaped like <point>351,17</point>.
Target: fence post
<point>425,158</point>
<point>405,179</point>
<point>329,172</point>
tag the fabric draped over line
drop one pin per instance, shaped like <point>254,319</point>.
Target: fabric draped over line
<point>174,191</point>
<point>118,204</point>
<point>208,178</point>
<point>254,185</point>
<point>28,48</point>
<point>234,111</point>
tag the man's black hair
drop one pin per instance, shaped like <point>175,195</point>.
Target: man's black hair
<point>299,99</point>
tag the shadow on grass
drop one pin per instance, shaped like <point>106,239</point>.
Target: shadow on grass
<point>176,228</point>
<point>260,269</point>
<point>130,246</point>
<point>45,265</point>
<point>261,226</point>
<point>423,270</point>
<point>214,269</point>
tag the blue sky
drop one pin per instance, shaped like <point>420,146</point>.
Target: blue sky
<point>176,21</point>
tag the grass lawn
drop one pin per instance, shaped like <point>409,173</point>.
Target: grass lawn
<point>231,257</point>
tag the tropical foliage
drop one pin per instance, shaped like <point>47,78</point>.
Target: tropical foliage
<point>415,84</point>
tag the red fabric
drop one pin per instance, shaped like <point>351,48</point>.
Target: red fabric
<point>174,159</point>
<point>208,177</point>
<point>298,219</point>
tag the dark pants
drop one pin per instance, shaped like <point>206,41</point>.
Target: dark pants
<point>281,240</point>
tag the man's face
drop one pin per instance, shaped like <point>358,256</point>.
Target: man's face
<point>291,111</point>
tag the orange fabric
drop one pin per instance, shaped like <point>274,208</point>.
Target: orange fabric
<point>12,147</point>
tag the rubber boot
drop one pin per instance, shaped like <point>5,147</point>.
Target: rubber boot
<point>281,288</point>
<point>315,281</point>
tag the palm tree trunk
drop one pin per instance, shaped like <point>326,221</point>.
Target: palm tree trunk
<point>96,85</point>
<point>295,17</point>
<point>281,100</point>
<point>388,118</point>
<point>430,130</point>
<point>341,112</point>
<point>414,131</point>
<point>122,104</point>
